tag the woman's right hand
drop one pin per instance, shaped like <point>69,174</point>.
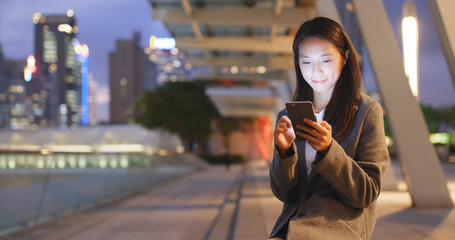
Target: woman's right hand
<point>284,134</point>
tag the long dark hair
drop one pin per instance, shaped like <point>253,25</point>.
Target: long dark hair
<point>341,109</point>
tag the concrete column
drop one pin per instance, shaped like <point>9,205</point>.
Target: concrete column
<point>444,20</point>
<point>421,168</point>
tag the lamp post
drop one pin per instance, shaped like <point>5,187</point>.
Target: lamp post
<point>410,34</point>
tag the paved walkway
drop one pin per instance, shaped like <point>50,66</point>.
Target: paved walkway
<point>228,204</point>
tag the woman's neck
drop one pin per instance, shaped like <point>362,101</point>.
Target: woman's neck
<point>320,101</point>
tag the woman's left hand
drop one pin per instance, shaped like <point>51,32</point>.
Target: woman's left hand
<point>319,136</point>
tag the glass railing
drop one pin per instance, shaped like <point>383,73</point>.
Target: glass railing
<point>35,188</point>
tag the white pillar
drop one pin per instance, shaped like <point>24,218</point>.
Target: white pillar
<point>420,164</point>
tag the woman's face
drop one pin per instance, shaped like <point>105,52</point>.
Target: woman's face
<point>320,64</point>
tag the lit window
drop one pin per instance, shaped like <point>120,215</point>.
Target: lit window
<point>123,82</point>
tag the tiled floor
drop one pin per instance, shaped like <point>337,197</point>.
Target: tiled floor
<point>229,204</point>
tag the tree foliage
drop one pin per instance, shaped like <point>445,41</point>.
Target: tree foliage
<point>179,107</point>
<point>434,118</point>
<point>448,116</point>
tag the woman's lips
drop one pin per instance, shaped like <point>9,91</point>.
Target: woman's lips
<point>319,82</point>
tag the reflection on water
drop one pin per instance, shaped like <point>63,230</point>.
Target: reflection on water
<point>40,187</point>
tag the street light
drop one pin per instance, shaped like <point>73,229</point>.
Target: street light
<point>410,32</point>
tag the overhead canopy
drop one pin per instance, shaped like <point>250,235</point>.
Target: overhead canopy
<point>248,40</point>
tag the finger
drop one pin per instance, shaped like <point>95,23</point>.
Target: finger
<point>280,130</point>
<point>309,130</point>
<point>323,127</point>
<point>284,126</point>
<point>312,123</point>
<point>326,125</point>
<point>286,120</point>
<point>307,136</point>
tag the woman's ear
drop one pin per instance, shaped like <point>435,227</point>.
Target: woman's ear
<point>346,56</point>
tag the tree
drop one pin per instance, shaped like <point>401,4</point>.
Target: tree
<point>432,117</point>
<point>178,107</point>
<point>448,116</point>
<point>227,125</point>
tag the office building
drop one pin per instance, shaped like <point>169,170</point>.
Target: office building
<point>4,116</point>
<point>15,106</point>
<point>126,77</point>
<point>2,75</point>
<point>55,89</point>
<point>92,107</point>
<point>169,65</point>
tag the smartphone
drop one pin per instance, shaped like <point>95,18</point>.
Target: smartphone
<point>298,111</point>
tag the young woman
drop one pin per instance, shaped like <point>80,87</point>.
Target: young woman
<point>328,181</point>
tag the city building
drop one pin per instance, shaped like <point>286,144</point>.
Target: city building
<point>83,74</point>
<point>92,108</point>
<point>3,87</point>
<point>126,76</point>
<point>15,107</point>
<point>1,65</point>
<point>133,71</point>
<point>168,63</point>
<point>55,89</point>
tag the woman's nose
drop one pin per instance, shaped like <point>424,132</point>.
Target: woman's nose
<point>317,69</point>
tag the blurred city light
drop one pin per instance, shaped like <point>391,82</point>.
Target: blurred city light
<point>180,149</point>
<point>70,13</point>
<point>82,54</point>
<point>82,50</point>
<point>389,141</point>
<point>36,17</point>
<point>234,70</point>
<point>440,138</point>
<point>162,152</point>
<point>65,28</point>
<point>161,43</point>
<point>261,69</point>
<point>410,34</point>
<point>30,68</point>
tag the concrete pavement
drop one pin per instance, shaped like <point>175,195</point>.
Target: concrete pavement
<point>230,204</point>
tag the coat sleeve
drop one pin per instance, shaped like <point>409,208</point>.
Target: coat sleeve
<point>283,173</point>
<point>358,181</point>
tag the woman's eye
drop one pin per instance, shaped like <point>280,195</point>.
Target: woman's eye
<point>306,62</point>
<point>327,60</point>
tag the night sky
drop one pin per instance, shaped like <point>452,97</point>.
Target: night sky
<point>102,22</point>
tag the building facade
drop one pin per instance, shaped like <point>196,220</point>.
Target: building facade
<point>55,89</point>
<point>15,105</point>
<point>134,70</point>
<point>126,78</point>
<point>169,65</point>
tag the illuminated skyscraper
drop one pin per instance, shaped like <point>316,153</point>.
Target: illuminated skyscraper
<point>56,87</point>
<point>170,67</point>
<point>168,62</point>
<point>15,109</point>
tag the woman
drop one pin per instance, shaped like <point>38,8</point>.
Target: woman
<point>328,181</point>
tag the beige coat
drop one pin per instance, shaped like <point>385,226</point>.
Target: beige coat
<point>337,200</point>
